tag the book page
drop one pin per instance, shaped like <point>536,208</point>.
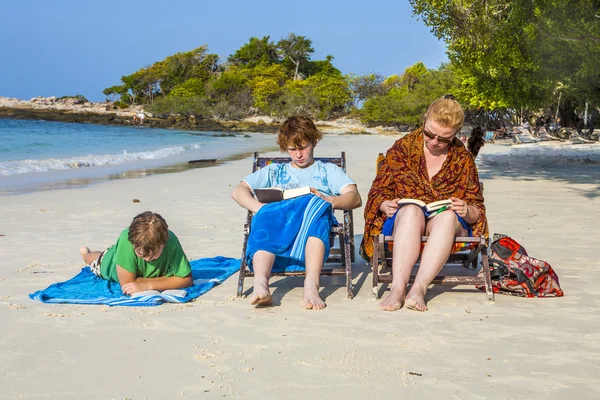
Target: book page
<point>145,293</point>
<point>411,201</point>
<point>170,292</point>
<point>174,292</point>
<point>291,193</point>
<point>436,205</point>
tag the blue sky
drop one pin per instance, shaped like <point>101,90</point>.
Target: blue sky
<point>64,47</point>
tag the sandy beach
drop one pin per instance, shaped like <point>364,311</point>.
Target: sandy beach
<point>220,347</point>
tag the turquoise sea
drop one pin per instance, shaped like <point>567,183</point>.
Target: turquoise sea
<point>44,155</point>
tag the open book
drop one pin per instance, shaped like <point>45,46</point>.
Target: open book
<point>430,209</point>
<point>171,295</point>
<point>270,195</point>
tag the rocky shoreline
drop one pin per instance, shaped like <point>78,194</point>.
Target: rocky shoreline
<point>79,111</point>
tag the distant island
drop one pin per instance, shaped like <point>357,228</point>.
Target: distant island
<point>79,110</point>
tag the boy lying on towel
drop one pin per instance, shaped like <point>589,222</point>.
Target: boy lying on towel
<point>331,189</point>
<point>147,256</point>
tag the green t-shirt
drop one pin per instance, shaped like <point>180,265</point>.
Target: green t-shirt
<point>172,261</point>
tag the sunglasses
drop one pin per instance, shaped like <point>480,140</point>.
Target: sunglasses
<point>439,138</point>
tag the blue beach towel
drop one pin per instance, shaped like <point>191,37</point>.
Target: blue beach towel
<point>282,228</point>
<point>87,288</point>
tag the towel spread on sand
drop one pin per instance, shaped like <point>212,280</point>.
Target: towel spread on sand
<point>87,288</point>
<point>282,228</point>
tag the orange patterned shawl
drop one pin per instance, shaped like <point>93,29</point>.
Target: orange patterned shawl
<point>403,174</point>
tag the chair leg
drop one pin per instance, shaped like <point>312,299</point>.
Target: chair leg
<point>243,264</point>
<point>346,248</point>
<point>487,275</point>
<point>375,263</point>
<point>240,287</point>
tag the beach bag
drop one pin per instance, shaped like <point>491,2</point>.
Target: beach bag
<point>516,273</point>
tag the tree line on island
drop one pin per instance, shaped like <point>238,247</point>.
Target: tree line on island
<point>508,60</point>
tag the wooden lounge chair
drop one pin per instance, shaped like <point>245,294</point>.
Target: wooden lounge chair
<point>342,252</point>
<point>460,268</point>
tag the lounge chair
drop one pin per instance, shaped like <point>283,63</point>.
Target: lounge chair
<point>460,268</point>
<point>489,136</point>
<point>342,252</point>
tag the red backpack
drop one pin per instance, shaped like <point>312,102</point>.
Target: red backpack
<point>516,273</point>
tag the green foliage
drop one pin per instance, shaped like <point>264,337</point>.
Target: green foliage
<point>401,106</point>
<point>193,87</point>
<point>256,51</point>
<point>297,50</point>
<point>363,87</point>
<point>260,77</point>
<point>516,53</point>
<point>178,105</point>
<point>163,76</point>
<point>81,98</point>
<point>332,92</point>
<point>266,82</point>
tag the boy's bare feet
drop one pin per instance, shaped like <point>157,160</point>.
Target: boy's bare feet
<point>84,252</point>
<point>261,296</point>
<point>416,299</point>
<point>394,300</point>
<point>311,298</point>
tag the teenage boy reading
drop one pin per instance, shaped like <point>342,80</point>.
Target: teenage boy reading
<point>147,256</point>
<point>297,136</point>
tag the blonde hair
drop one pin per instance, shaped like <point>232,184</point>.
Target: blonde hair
<point>446,112</point>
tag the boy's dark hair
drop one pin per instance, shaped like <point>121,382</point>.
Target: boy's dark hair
<point>148,233</point>
<point>298,131</point>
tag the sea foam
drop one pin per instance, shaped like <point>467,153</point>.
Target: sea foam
<point>27,166</point>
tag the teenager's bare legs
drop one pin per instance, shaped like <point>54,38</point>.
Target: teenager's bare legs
<point>408,229</point>
<point>441,230</point>
<point>315,251</point>
<point>88,255</point>
<point>262,262</point>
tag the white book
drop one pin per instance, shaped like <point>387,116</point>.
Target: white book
<point>431,209</point>
<point>273,194</point>
<point>171,295</point>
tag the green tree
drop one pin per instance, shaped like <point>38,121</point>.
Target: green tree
<point>363,87</point>
<point>266,82</point>
<point>256,51</point>
<point>163,76</point>
<point>402,107</point>
<point>517,52</point>
<point>296,49</point>
<point>193,87</point>
<point>332,92</point>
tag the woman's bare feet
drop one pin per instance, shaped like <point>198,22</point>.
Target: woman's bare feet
<point>261,296</point>
<point>311,298</point>
<point>394,300</point>
<point>416,299</point>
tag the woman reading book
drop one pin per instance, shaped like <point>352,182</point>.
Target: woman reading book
<point>280,223</point>
<point>429,164</point>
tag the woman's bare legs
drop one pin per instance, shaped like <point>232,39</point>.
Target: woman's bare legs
<point>409,226</point>
<point>262,263</point>
<point>441,230</point>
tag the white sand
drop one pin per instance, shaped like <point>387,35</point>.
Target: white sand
<point>220,347</point>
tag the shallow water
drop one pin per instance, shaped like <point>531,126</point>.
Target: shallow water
<point>43,155</point>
